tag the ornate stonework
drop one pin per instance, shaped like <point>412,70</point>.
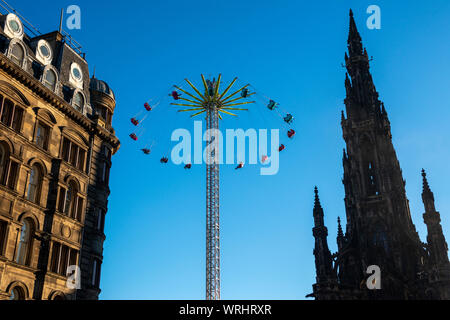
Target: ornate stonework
<point>55,157</point>
<point>379,229</point>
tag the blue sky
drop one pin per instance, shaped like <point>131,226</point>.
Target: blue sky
<point>291,51</point>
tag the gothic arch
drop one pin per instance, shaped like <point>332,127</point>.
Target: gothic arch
<point>379,232</point>
<point>365,136</point>
<point>13,92</point>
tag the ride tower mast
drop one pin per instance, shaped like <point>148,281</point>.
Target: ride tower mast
<point>213,104</point>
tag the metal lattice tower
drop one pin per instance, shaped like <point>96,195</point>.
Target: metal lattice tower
<point>212,209</point>
<point>213,103</point>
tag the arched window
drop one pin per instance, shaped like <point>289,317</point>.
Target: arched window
<point>380,239</point>
<point>96,267</point>
<point>50,79</point>
<point>70,198</point>
<point>372,180</point>
<point>8,168</point>
<point>78,101</point>
<point>17,293</point>
<point>42,135</point>
<point>17,54</point>
<point>3,156</point>
<point>70,202</point>
<point>369,170</point>
<point>58,296</point>
<point>35,184</point>
<point>25,243</point>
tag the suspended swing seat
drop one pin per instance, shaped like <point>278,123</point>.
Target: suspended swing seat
<point>291,133</point>
<point>164,160</point>
<point>134,121</point>
<point>175,95</point>
<point>281,148</point>
<point>146,151</point>
<point>188,166</point>
<point>244,93</point>
<point>240,165</point>
<point>272,105</point>
<point>133,136</point>
<point>289,118</point>
<point>147,107</point>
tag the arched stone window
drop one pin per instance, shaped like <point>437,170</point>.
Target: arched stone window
<point>17,54</point>
<point>70,197</point>
<point>57,296</point>
<point>17,293</point>
<point>373,190</point>
<point>78,101</point>
<point>380,238</point>
<point>4,154</point>
<point>70,203</point>
<point>35,184</point>
<point>369,169</point>
<point>8,168</point>
<point>74,153</point>
<point>96,268</point>
<point>25,245</point>
<point>50,79</point>
<point>11,114</point>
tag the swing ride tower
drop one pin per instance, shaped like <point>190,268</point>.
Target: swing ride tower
<point>213,104</point>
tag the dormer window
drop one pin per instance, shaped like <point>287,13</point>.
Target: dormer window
<point>17,54</point>
<point>44,52</point>
<point>13,26</point>
<point>78,101</point>
<point>50,79</point>
<point>43,49</point>
<point>76,75</point>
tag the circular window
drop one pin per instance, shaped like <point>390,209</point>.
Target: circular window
<point>15,27</point>
<point>76,73</point>
<point>44,51</point>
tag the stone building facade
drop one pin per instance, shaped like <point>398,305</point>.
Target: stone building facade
<point>56,143</point>
<point>379,229</point>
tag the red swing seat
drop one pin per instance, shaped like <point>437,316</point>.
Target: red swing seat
<point>175,95</point>
<point>291,133</point>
